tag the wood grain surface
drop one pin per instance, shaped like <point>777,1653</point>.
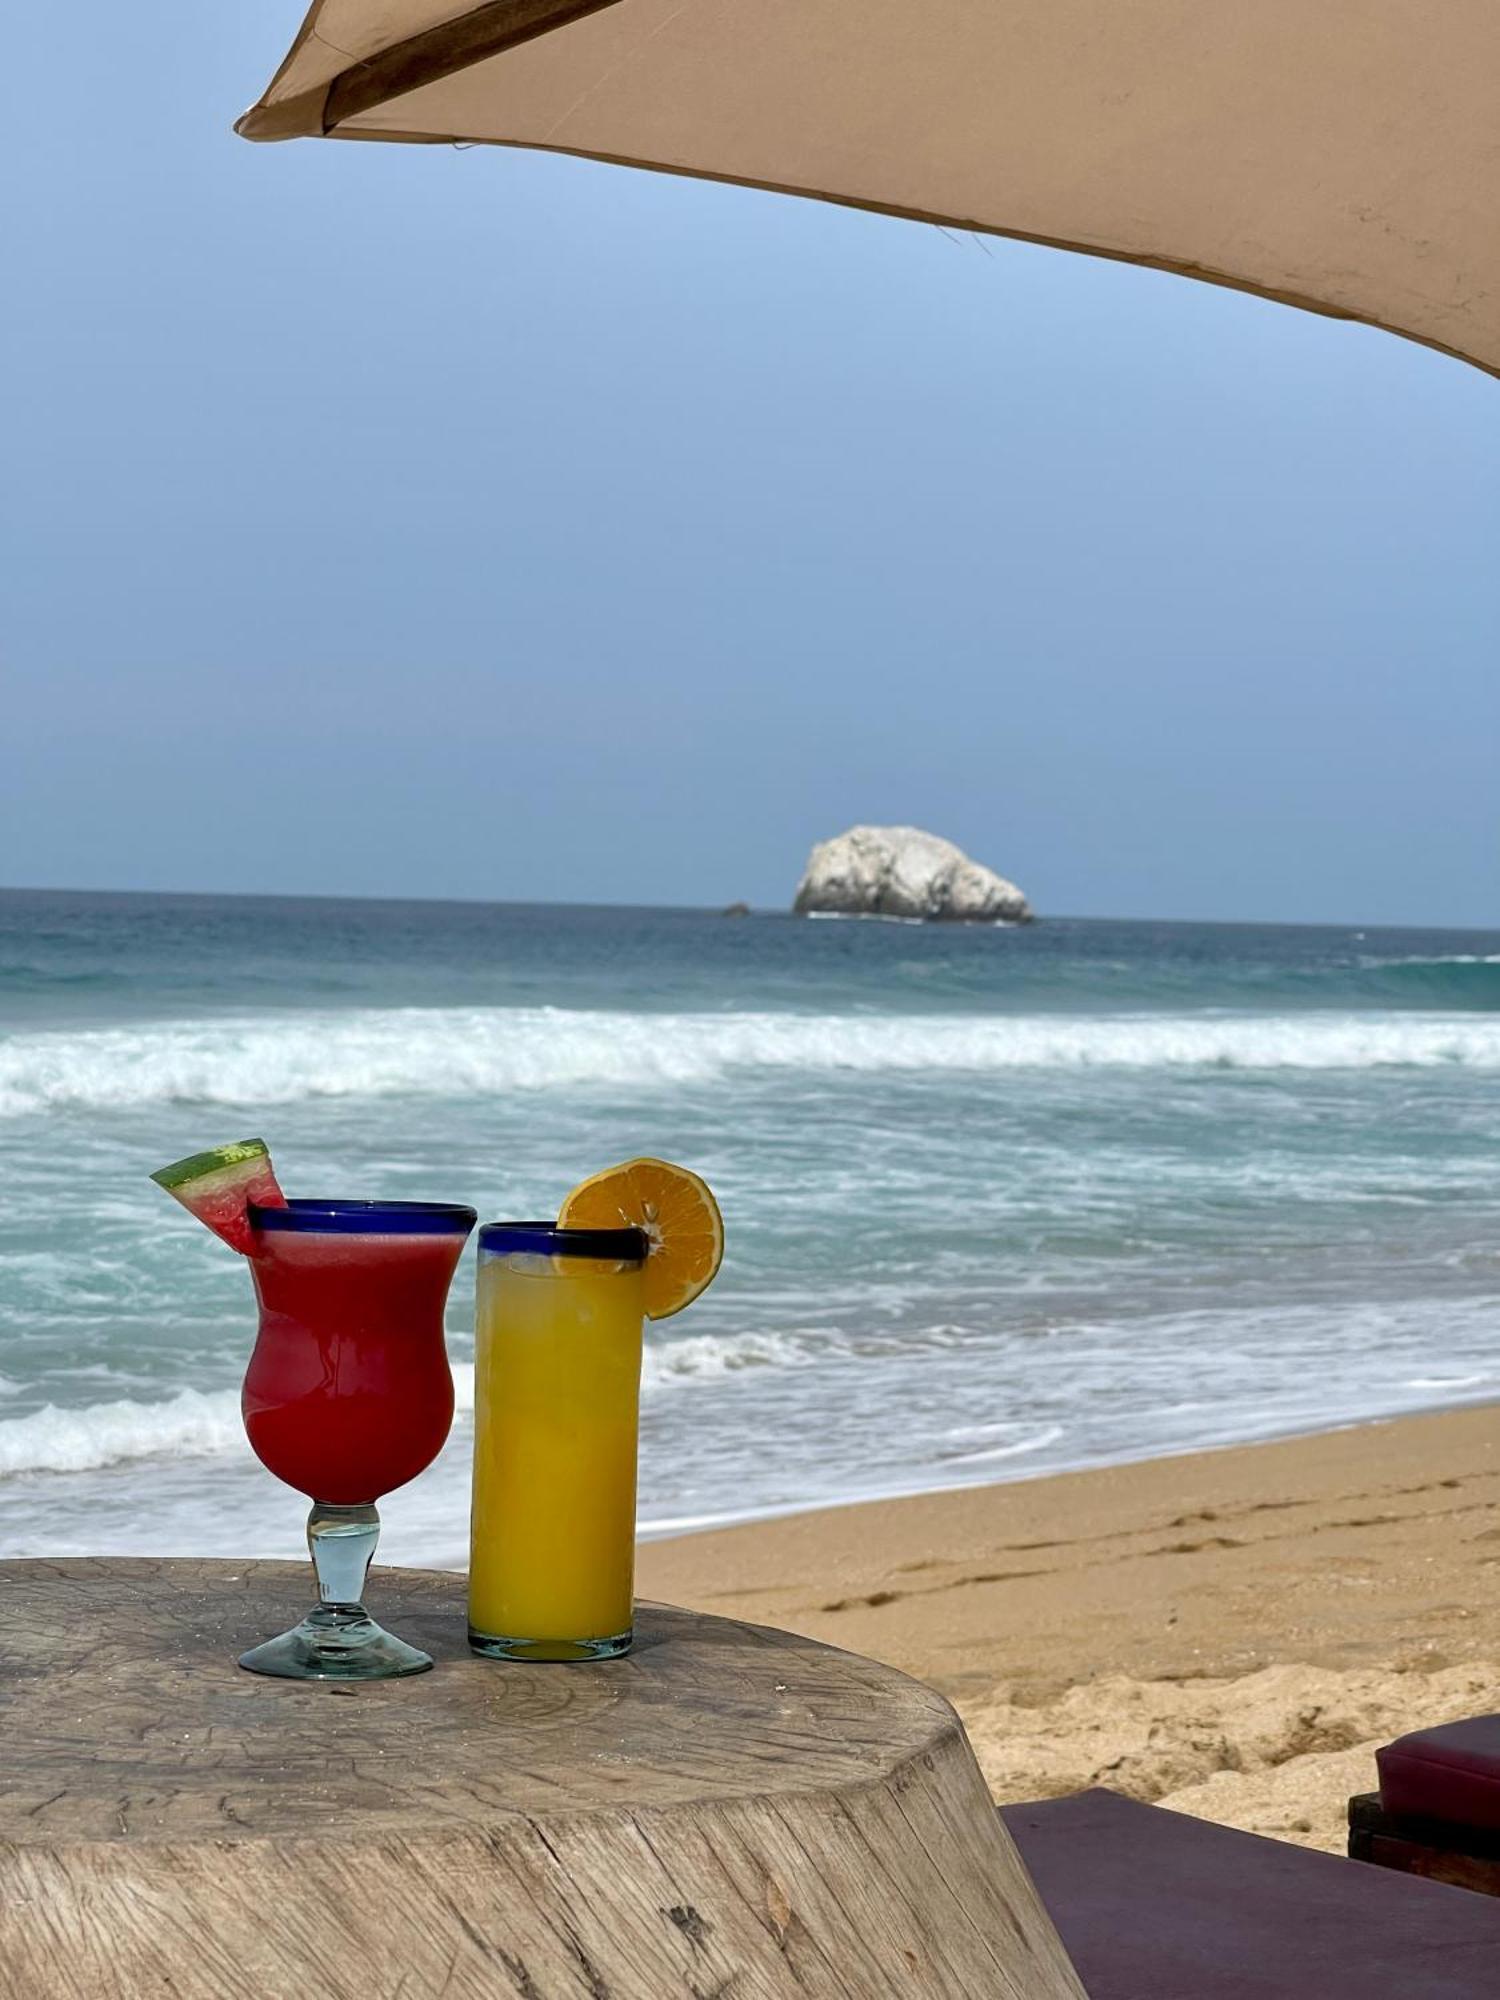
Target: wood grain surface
<point>729,1812</point>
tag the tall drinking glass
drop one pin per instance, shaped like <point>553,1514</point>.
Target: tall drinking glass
<point>348,1396</point>
<point>557,1376</point>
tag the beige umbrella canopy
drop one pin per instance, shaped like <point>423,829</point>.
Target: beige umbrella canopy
<point>1342,155</point>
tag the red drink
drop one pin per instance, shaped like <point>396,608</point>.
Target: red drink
<point>348,1396</point>
<point>348,1393</point>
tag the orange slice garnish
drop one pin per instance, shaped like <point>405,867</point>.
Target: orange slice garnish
<point>680,1218</point>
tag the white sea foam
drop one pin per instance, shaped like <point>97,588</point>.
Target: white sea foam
<point>1039,1440</point>
<point>1441,958</point>
<point>462,1052</point>
<point>713,1355</point>
<point>187,1425</point>
<point>192,1424</point>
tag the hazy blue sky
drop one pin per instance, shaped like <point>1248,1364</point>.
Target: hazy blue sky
<point>414,521</point>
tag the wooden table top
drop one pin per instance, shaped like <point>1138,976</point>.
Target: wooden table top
<point>124,1715</point>
<point>726,1804</point>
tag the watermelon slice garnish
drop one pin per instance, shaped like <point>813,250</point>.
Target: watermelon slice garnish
<point>219,1186</point>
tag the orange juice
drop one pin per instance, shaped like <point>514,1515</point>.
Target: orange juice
<point>557,1370</point>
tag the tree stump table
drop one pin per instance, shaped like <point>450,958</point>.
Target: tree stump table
<point>729,1812</point>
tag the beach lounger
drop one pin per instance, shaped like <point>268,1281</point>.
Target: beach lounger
<point>1152,1905</point>
<point>1437,1812</point>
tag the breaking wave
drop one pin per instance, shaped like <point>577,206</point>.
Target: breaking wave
<point>187,1425</point>
<point>198,1424</point>
<point>453,1052</point>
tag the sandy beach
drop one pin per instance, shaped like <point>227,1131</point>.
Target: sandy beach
<point>1231,1632</point>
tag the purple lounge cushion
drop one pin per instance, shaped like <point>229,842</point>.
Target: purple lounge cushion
<point>1450,1773</point>
<point>1152,1905</point>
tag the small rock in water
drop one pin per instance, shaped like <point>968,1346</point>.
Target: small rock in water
<point>735,910</point>
<point>900,871</point>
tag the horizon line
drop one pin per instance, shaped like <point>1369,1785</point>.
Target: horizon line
<point>717,909</point>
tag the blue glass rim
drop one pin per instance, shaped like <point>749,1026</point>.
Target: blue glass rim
<point>546,1239</point>
<point>366,1218</point>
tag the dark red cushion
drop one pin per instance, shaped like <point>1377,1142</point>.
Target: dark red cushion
<point>1450,1773</point>
<point>1152,1905</point>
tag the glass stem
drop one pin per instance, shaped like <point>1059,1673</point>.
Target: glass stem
<point>341,1541</point>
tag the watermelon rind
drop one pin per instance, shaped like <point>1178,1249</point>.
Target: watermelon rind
<point>182,1172</point>
<point>219,1186</point>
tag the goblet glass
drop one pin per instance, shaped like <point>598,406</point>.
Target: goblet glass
<point>348,1395</point>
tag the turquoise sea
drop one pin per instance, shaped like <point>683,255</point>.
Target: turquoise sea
<point>998,1201</point>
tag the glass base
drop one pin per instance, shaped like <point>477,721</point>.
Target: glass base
<point>336,1645</point>
<point>492,1647</point>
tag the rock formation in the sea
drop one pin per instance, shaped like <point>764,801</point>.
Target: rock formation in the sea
<point>735,910</point>
<point>899,871</point>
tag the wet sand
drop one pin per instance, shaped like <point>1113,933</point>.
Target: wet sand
<point>1231,1632</point>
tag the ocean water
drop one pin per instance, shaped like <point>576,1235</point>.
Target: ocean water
<point>998,1201</point>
